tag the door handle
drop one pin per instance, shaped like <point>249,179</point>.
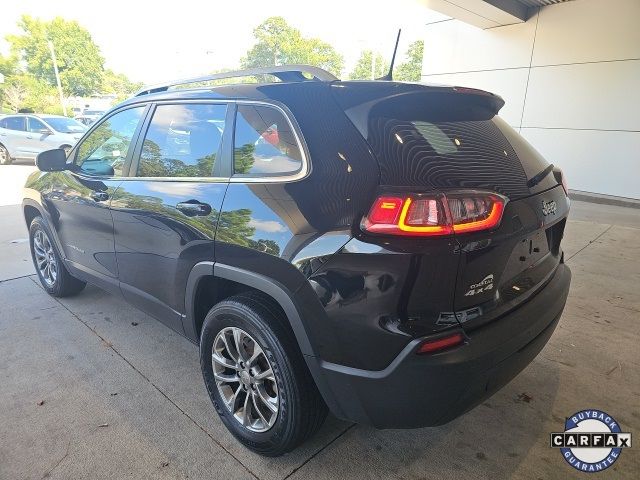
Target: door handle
<point>100,196</point>
<point>193,208</point>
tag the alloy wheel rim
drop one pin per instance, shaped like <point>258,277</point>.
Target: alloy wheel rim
<point>4,156</point>
<point>245,379</point>
<point>45,258</point>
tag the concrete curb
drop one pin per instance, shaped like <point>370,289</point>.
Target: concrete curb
<point>603,199</point>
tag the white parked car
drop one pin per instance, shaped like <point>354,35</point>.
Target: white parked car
<point>24,136</point>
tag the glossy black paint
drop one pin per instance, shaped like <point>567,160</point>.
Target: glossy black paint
<point>79,209</point>
<point>358,303</point>
<point>429,390</point>
<point>521,255</point>
<point>157,244</point>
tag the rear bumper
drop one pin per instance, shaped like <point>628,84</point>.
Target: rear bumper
<point>419,391</point>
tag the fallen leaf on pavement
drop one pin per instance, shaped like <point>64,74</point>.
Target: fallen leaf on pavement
<point>525,398</point>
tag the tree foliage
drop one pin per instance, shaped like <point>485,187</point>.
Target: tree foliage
<point>25,92</point>
<point>279,44</point>
<point>411,70</point>
<point>8,65</point>
<point>29,74</point>
<point>362,69</point>
<point>119,84</point>
<point>79,60</point>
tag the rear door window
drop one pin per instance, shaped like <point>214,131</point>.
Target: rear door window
<point>264,143</point>
<point>14,123</point>
<point>183,140</point>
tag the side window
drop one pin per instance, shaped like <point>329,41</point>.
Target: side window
<point>264,143</point>
<point>105,149</point>
<point>183,140</point>
<point>14,123</point>
<point>35,125</point>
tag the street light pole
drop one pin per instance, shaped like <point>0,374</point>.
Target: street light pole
<point>55,70</point>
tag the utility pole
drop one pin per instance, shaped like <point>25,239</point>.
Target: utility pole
<point>55,70</point>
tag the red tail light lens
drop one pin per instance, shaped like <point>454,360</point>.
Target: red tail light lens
<point>432,346</point>
<point>435,214</point>
<point>564,184</point>
<point>473,212</point>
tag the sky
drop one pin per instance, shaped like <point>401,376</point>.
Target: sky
<point>153,41</point>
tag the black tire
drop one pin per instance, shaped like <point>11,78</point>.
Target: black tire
<point>64,284</point>
<point>5,158</point>
<point>301,410</point>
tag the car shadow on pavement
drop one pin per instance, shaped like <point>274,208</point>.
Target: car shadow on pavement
<point>491,439</point>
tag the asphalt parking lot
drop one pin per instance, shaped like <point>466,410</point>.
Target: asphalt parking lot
<point>92,388</point>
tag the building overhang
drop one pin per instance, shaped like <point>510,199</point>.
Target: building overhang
<point>488,13</point>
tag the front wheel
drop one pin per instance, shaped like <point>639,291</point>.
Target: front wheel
<point>53,275</point>
<point>5,158</point>
<point>256,376</point>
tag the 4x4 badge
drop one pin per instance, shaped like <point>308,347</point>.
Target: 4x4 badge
<point>482,286</point>
<point>548,207</point>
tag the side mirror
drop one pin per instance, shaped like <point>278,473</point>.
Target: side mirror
<point>52,160</point>
<point>45,131</point>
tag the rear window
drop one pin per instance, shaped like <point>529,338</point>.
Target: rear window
<point>447,154</point>
<point>440,139</point>
<point>13,123</point>
<point>264,143</point>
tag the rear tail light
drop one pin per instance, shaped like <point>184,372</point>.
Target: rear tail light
<point>435,214</point>
<point>564,183</point>
<point>562,179</point>
<point>432,346</point>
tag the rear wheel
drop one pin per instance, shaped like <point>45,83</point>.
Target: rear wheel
<point>53,275</point>
<point>5,158</point>
<point>256,376</point>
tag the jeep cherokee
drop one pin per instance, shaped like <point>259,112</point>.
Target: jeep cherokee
<point>387,251</point>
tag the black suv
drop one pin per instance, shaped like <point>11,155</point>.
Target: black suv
<point>386,250</point>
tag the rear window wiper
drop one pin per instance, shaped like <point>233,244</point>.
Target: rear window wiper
<point>538,177</point>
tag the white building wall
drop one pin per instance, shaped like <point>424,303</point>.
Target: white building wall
<point>570,77</point>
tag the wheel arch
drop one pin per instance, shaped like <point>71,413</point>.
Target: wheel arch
<point>276,292</point>
<point>210,271</point>
<point>30,212</point>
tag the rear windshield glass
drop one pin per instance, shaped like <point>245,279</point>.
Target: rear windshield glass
<point>438,139</point>
<point>474,153</point>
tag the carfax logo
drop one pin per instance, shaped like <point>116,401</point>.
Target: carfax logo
<point>592,440</point>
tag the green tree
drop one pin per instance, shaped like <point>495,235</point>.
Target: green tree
<point>80,63</point>
<point>362,70</point>
<point>9,93</point>
<point>8,65</point>
<point>278,43</point>
<point>26,92</point>
<point>119,84</point>
<point>411,70</point>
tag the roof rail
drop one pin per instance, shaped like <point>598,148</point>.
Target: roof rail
<point>285,73</point>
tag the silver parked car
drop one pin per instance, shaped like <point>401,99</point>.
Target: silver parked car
<point>24,136</point>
